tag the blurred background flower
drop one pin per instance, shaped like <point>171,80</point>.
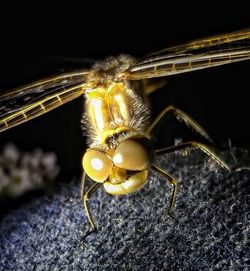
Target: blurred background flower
<point>22,172</point>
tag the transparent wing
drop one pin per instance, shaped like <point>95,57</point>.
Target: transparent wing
<point>208,42</point>
<point>195,55</point>
<point>32,100</point>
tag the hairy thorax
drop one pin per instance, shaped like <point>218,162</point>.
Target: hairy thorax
<point>114,106</point>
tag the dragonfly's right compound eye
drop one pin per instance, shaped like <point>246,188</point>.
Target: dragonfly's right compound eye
<point>132,154</point>
<point>97,165</point>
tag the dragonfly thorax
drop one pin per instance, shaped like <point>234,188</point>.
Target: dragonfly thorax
<point>118,106</point>
<point>109,70</point>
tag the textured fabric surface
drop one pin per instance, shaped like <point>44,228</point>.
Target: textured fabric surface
<point>210,229</point>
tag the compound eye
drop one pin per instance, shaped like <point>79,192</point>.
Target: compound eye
<point>131,155</point>
<point>97,165</point>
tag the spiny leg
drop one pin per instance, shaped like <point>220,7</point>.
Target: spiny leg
<point>85,197</point>
<point>170,179</point>
<point>195,145</point>
<point>182,116</point>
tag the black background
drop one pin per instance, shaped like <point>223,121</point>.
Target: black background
<point>30,38</point>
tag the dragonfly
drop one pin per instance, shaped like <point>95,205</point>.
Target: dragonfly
<point>116,117</point>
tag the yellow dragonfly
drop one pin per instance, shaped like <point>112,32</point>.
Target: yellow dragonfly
<point>120,153</point>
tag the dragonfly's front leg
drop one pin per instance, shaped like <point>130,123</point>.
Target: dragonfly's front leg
<point>172,181</point>
<point>85,197</point>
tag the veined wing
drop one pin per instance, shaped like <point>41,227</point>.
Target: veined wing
<point>228,38</point>
<point>195,55</point>
<point>32,100</point>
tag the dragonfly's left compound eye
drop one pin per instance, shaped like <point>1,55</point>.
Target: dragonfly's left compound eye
<point>97,165</point>
<point>131,154</point>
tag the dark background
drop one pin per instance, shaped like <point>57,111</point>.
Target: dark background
<point>217,98</point>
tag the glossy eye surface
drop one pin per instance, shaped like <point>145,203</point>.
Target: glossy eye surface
<point>131,155</point>
<point>97,165</point>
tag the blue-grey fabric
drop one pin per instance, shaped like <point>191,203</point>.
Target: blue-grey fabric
<point>210,229</point>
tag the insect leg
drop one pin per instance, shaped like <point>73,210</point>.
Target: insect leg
<point>183,117</point>
<point>170,179</point>
<point>85,197</point>
<point>195,145</point>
